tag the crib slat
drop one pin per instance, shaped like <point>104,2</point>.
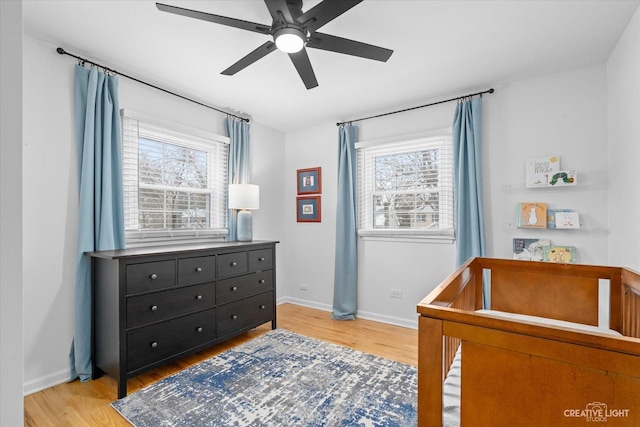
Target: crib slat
<point>464,301</point>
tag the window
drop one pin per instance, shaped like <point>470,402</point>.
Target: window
<point>406,187</point>
<point>175,180</point>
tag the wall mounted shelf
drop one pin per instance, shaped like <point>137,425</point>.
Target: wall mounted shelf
<point>580,186</point>
<point>511,226</point>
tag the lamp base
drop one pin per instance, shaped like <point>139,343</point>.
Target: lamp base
<point>244,228</point>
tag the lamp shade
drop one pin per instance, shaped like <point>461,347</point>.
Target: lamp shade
<point>244,196</point>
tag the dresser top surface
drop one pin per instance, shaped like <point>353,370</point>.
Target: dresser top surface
<point>183,248</point>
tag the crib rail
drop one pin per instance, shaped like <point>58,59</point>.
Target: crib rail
<point>448,320</point>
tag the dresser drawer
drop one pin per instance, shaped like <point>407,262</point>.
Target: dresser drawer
<point>254,310</point>
<point>157,342</point>
<point>192,271</point>
<point>145,309</point>
<point>232,264</point>
<point>235,288</point>
<point>150,276</point>
<point>260,260</point>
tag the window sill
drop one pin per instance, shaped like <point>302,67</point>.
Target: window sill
<point>415,236</point>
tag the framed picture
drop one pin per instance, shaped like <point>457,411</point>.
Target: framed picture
<point>308,209</point>
<point>310,181</point>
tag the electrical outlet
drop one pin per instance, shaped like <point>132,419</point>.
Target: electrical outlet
<point>396,293</point>
<point>303,286</point>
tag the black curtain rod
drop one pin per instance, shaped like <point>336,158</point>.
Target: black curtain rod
<point>415,108</point>
<point>61,51</point>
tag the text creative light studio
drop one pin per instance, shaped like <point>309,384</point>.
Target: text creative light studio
<point>596,412</point>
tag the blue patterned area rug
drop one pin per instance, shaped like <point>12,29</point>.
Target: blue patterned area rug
<point>280,379</point>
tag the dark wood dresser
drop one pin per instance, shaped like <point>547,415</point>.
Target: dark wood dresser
<point>154,305</point>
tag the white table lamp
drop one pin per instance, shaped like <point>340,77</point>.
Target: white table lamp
<point>244,197</point>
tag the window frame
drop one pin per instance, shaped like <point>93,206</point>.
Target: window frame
<point>366,231</point>
<point>163,131</point>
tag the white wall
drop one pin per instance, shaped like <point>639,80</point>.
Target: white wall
<point>623,107</point>
<point>267,170</point>
<point>413,268</point>
<point>310,247</point>
<point>50,197</point>
<point>11,353</point>
<point>562,114</point>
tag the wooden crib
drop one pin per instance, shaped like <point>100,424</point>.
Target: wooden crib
<point>524,371</point>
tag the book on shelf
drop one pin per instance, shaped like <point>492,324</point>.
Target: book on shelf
<point>552,215</point>
<point>567,220</point>
<point>532,215</point>
<point>538,170</point>
<point>529,249</point>
<point>560,254</point>
<point>563,178</point>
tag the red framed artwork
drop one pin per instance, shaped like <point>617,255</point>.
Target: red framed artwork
<point>308,209</point>
<point>310,181</point>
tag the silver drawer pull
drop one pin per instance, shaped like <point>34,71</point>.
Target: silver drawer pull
<point>154,276</point>
<point>198,270</point>
<point>235,288</point>
<point>199,297</point>
<point>233,264</point>
<point>199,329</point>
<point>262,307</point>
<point>261,259</point>
<point>154,344</point>
<point>261,281</point>
<point>154,307</point>
<point>234,317</point>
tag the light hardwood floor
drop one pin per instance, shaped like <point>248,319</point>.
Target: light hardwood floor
<point>87,404</point>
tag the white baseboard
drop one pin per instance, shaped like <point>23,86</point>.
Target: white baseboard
<point>391,320</point>
<point>396,321</point>
<point>305,303</point>
<point>50,380</point>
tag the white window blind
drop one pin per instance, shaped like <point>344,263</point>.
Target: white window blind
<point>175,179</point>
<point>406,187</point>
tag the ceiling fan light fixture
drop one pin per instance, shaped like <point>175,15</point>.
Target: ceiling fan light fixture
<point>289,40</point>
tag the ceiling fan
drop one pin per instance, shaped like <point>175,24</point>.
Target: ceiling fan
<point>293,30</point>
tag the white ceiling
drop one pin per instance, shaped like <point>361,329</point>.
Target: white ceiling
<point>441,49</point>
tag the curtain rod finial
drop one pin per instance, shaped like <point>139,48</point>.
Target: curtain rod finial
<point>60,51</point>
<point>491,90</point>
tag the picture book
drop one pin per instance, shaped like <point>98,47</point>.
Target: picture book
<point>529,249</point>
<point>551,216</point>
<point>561,254</point>
<point>540,169</point>
<point>567,220</point>
<point>563,178</point>
<point>532,215</point>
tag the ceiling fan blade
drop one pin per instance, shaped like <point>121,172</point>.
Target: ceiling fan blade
<point>348,47</point>
<point>276,6</point>
<point>324,12</point>
<point>243,63</point>
<point>231,22</point>
<point>303,65</point>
